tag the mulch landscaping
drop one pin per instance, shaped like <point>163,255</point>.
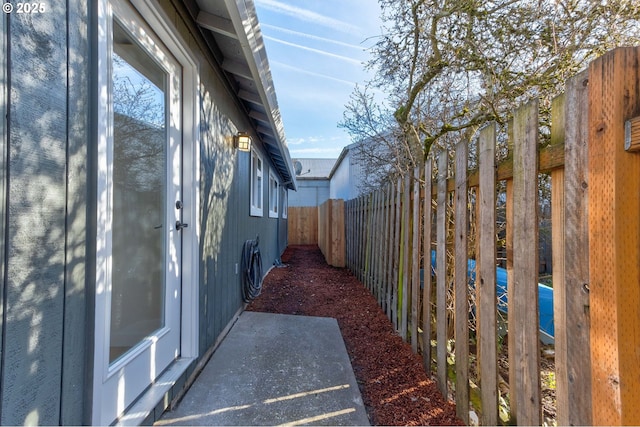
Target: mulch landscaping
<point>395,388</point>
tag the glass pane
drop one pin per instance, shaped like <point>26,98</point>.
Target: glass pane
<point>139,179</point>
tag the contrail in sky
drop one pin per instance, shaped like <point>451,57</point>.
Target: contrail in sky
<point>313,37</point>
<point>309,16</point>
<point>310,49</point>
<point>312,73</point>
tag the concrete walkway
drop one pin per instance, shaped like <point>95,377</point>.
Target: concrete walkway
<point>275,369</point>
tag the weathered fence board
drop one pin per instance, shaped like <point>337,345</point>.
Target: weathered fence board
<point>396,257</point>
<point>370,241</point>
<point>558,238</point>
<point>389,248</point>
<point>524,326</point>
<point>380,261</point>
<point>486,277</point>
<point>426,254</point>
<point>441,273</point>
<point>406,226</point>
<point>369,247</point>
<point>511,338</point>
<point>415,260</point>
<point>573,364</point>
<point>384,259</point>
<point>461,285</point>
<point>362,247</point>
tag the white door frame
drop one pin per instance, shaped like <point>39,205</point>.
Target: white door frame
<point>160,24</point>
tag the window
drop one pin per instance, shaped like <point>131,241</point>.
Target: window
<point>285,202</point>
<point>273,196</point>
<point>256,184</point>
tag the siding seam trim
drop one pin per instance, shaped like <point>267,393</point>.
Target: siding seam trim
<point>66,225</point>
<point>5,157</point>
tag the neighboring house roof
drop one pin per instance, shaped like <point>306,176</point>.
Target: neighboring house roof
<point>341,157</point>
<point>313,168</point>
<point>233,33</point>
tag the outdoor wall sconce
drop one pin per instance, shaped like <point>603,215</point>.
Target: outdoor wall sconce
<point>242,141</point>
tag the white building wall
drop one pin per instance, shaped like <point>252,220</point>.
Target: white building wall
<point>310,193</point>
<point>356,177</point>
<point>347,177</point>
<point>340,185</point>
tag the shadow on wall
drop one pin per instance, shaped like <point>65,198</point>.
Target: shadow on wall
<point>217,163</point>
<point>46,233</point>
<point>217,170</point>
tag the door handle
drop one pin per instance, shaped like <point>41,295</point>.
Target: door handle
<point>180,225</point>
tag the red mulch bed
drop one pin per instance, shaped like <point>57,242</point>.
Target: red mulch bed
<point>394,385</point>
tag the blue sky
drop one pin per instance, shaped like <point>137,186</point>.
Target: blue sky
<point>317,50</point>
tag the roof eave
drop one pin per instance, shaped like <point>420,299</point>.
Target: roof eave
<point>244,19</point>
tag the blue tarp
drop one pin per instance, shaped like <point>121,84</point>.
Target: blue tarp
<point>545,296</point>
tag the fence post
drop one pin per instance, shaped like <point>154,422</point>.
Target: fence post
<point>614,238</point>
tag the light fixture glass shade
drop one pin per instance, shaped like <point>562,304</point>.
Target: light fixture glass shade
<point>243,141</point>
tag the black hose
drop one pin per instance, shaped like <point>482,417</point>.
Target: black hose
<point>251,270</point>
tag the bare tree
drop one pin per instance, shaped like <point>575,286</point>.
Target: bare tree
<point>446,67</point>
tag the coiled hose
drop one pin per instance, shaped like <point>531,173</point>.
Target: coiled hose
<point>251,270</point>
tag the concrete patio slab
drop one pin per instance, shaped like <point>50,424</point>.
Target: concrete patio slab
<point>275,369</point>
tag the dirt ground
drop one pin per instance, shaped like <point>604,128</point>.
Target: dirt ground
<point>394,385</point>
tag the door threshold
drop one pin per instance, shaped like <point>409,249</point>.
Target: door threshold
<point>152,403</point>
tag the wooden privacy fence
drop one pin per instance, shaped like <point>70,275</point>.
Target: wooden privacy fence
<point>596,251</point>
<point>303,225</point>
<point>320,225</point>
